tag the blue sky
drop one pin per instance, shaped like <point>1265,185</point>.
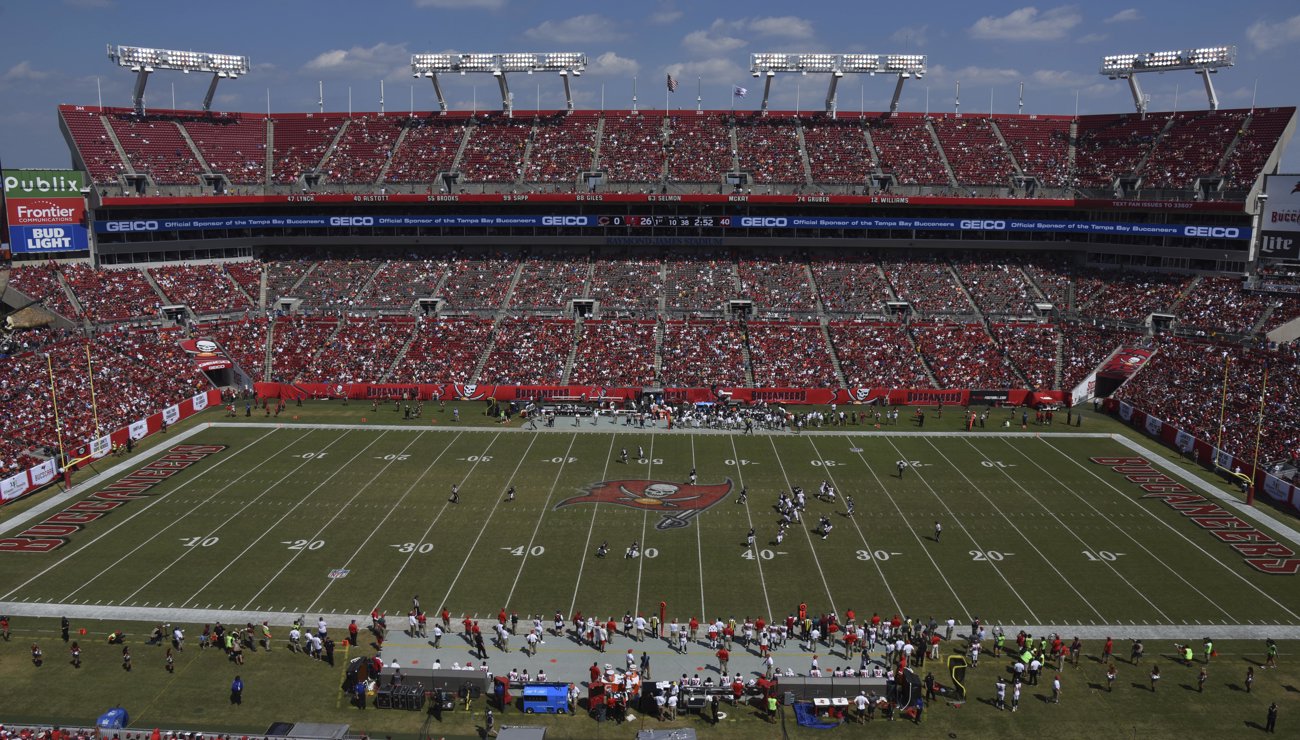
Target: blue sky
<point>54,51</point>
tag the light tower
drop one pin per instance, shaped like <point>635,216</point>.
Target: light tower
<point>765,65</point>
<point>498,65</point>
<point>1204,61</point>
<point>144,61</point>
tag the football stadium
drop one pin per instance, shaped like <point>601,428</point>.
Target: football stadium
<point>654,420</point>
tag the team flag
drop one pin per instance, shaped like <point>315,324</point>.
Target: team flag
<point>739,91</point>
<point>672,84</point>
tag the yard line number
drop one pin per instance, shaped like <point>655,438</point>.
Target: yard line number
<point>1096,556</point>
<point>989,555</point>
<point>424,548</point>
<point>199,541</point>
<point>304,544</point>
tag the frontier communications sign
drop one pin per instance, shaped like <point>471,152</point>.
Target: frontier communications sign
<point>46,210</point>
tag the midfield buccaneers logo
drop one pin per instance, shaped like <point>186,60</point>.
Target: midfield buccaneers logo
<point>678,502</point>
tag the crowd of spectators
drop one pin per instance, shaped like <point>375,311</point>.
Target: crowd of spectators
<point>973,150</point>
<point>398,283</point>
<point>443,350</point>
<point>96,148</point>
<point>850,284</point>
<point>528,351</point>
<point>1067,287</point>
<point>1132,296</point>
<point>429,148</point>
<point>616,353</point>
<point>1084,346</point>
<point>244,342</point>
<point>563,146</point>
<point>777,285</point>
<point>550,281</point>
<point>790,355</point>
<point>699,280</point>
<point>205,288</point>
<point>838,152</point>
<point>1191,148</point>
<point>927,284</point>
<point>702,354</point>
<point>478,281</point>
<point>363,149</point>
<point>907,152</point>
<point>282,275</point>
<point>1107,147</point>
<point>362,351</point>
<point>963,356</point>
<point>234,147</point>
<point>301,143</point>
<point>699,148</point>
<point>996,285</point>
<point>155,147</point>
<point>332,283</point>
<point>876,355</point>
<point>628,283</point>
<point>111,294</point>
<point>1041,147</point>
<point>248,276</point>
<point>1183,384</point>
<point>1255,145</point>
<point>40,282</point>
<point>1218,304</point>
<point>768,149</point>
<point>632,148</point>
<point>495,150</point>
<point>1032,349</point>
<point>294,340</point>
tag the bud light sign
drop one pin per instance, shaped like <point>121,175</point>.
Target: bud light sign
<point>36,239</point>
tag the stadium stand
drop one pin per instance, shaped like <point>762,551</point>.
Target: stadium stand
<point>768,149</point>
<point>1113,146</point>
<point>851,285</point>
<point>790,355</point>
<point>443,350</point>
<point>1085,346</point>
<point>93,145</point>
<point>528,351</point>
<point>294,340</point>
<point>777,285</point>
<point>699,149</point>
<point>563,146</point>
<point>627,283</point>
<point>973,150</point>
<point>361,352</point>
<point>111,294</point>
<point>618,353</point>
<point>996,284</point>
<point>478,281</point>
<point>332,283</point>
<point>205,288</point>
<point>1192,147</point>
<point>874,355</point>
<point>300,144</point>
<point>1041,146</point>
<point>282,275</point>
<point>40,282</point>
<point>398,283</point>
<point>838,152</point>
<point>234,146</point>
<point>155,147</point>
<point>703,354</point>
<point>1133,296</point>
<point>700,282</point>
<point>495,150</point>
<point>927,284</point>
<point>1032,349</point>
<point>366,145</point>
<point>632,148</point>
<point>550,281</point>
<point>243,340</point>
<point>963,356</point>
<point>429,148</point>
<point>907,151</point>
<point>1255,144</point>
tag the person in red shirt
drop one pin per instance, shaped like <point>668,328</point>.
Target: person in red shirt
<point>501,615</point>
<point>469,626</point>
<point>737,691</point>
<point>875,620</point>
<point>595,672</point>
<point>352,633</point>
<point>723,657</point>
<point>1107,650</point>
<point>611,627</point>
<point>446,619</point>
<point>759,624</point>
<point>695,628</point>
<point>849,615</point>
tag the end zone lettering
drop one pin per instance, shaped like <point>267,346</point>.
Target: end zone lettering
<point>54,532</point>
<point>1260,551</point>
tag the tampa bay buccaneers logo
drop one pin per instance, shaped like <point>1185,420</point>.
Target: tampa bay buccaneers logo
<point>678,502</point>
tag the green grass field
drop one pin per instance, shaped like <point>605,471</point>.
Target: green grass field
<point>345,516</point>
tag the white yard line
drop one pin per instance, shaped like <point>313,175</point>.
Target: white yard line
<point>803,526</point>
<point>537,527</point>
<point>955,518</point>
<point>699,545</point>
<point>1070,529</point>
<point>645,519</point>
<point>286,515</point>
<point>919,542</point>
<point>740,476</point>
<point>391,509</point>
<point>1028,541</point>
<point>486,520</point>
<point>586,549</point>
<point>1122,530</point>
<point>184,551</point>
<point>898,608</point>
<point>126,520</point>
<point>338,511</point>
<point>1173,529</point>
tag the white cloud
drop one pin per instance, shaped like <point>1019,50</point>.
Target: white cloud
<point>714,71</point>
<point>1091,38</point>
<point>974,74</point>
<point>786,26</point>
<point>24,72</point>
<point>610,64</point>
<point>1062,79</point>
<point>708,42</point>
<point>1028,24</point>
<point>1124,16</point>
<point>579,28</point>
<point>911,35</point>
<point>88,4</point>
<point>361,62</point>
<point>665,14</point>
<point>461,4</point>
<point>1266,35</point>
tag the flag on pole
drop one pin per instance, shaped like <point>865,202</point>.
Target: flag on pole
<point>739,91</point>
<point>672,84</point>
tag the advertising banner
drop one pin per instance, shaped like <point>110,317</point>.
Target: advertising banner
<point>45,210</point>
<point>1279,225</point>
<point>200,401</point>
<point>43,473</point>
<point>44,183</point>
<point>101,446</point>
<point>139,429</point>
<point>39,239</point>
<point>13,486</point>
<point>171,415</point>
<point>1154,425</point>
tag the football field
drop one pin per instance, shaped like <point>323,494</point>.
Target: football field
<point>1037,529</point>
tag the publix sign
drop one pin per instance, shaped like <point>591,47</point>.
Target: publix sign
<point>43,183</point>
<point>46,210</point>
